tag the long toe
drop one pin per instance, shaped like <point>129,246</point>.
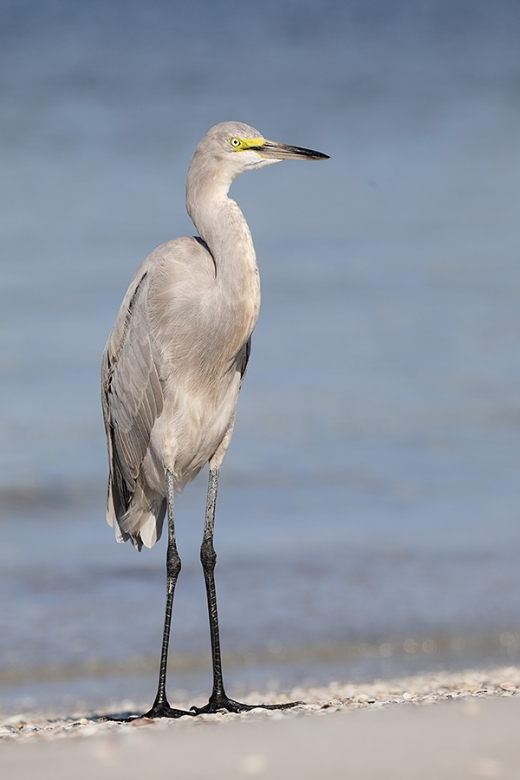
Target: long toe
<point>217,703</point>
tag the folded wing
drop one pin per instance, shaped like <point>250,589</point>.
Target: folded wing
<point>132,401</point>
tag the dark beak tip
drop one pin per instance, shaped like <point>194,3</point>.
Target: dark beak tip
<point>313,155</point>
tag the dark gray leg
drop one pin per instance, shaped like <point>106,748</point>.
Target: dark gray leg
<point>161,707</point>
<point>218,699</point>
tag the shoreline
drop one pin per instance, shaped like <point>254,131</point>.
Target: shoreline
<point>443,724</point>
<point>419,690</point>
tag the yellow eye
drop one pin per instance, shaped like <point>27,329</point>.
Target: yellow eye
<point>235,142</point>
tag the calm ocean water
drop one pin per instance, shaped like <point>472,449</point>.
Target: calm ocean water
<point>368,518</point>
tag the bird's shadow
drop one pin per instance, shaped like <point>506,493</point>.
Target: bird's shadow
<point>125,716</point>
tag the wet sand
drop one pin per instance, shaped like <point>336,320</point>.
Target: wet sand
<point>442,725</point>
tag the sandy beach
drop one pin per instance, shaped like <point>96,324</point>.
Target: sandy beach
<point>449,725</point>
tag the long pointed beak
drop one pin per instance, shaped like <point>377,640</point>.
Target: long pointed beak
<point>272,150</point>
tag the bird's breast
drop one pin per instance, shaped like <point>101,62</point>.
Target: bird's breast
<point>201,322</point>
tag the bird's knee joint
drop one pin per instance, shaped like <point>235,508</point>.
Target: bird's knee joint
<point>208,556</point>
<point>173,568</point>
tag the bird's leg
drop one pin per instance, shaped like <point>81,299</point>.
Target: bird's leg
<point>161,707</point>
<point>208,558</point>
<point>218,699</point>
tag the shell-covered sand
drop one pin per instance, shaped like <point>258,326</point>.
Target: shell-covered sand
<point>441,726</point>
<point>468,686</point>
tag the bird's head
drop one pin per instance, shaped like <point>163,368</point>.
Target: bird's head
<point>237,147</point>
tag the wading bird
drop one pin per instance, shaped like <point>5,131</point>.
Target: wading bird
<point>174,364</point>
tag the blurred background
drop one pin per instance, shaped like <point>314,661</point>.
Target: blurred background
<point>368,513</point>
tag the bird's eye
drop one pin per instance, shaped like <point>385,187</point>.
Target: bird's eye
<point>235,142</point>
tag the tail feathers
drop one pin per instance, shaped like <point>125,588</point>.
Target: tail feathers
<point>142,521</point>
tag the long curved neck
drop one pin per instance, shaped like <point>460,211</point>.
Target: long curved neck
<point>223,227</point>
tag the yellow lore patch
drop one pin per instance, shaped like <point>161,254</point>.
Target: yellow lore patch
<point>244,144</point>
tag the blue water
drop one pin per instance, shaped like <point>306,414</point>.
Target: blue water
<point>371,492</point>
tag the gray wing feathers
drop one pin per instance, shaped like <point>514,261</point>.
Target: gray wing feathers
<point>136,401</point>
<point>132,401</point>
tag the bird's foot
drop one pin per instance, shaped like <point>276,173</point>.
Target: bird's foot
<point>162,709</point>
<point>222,702</point>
